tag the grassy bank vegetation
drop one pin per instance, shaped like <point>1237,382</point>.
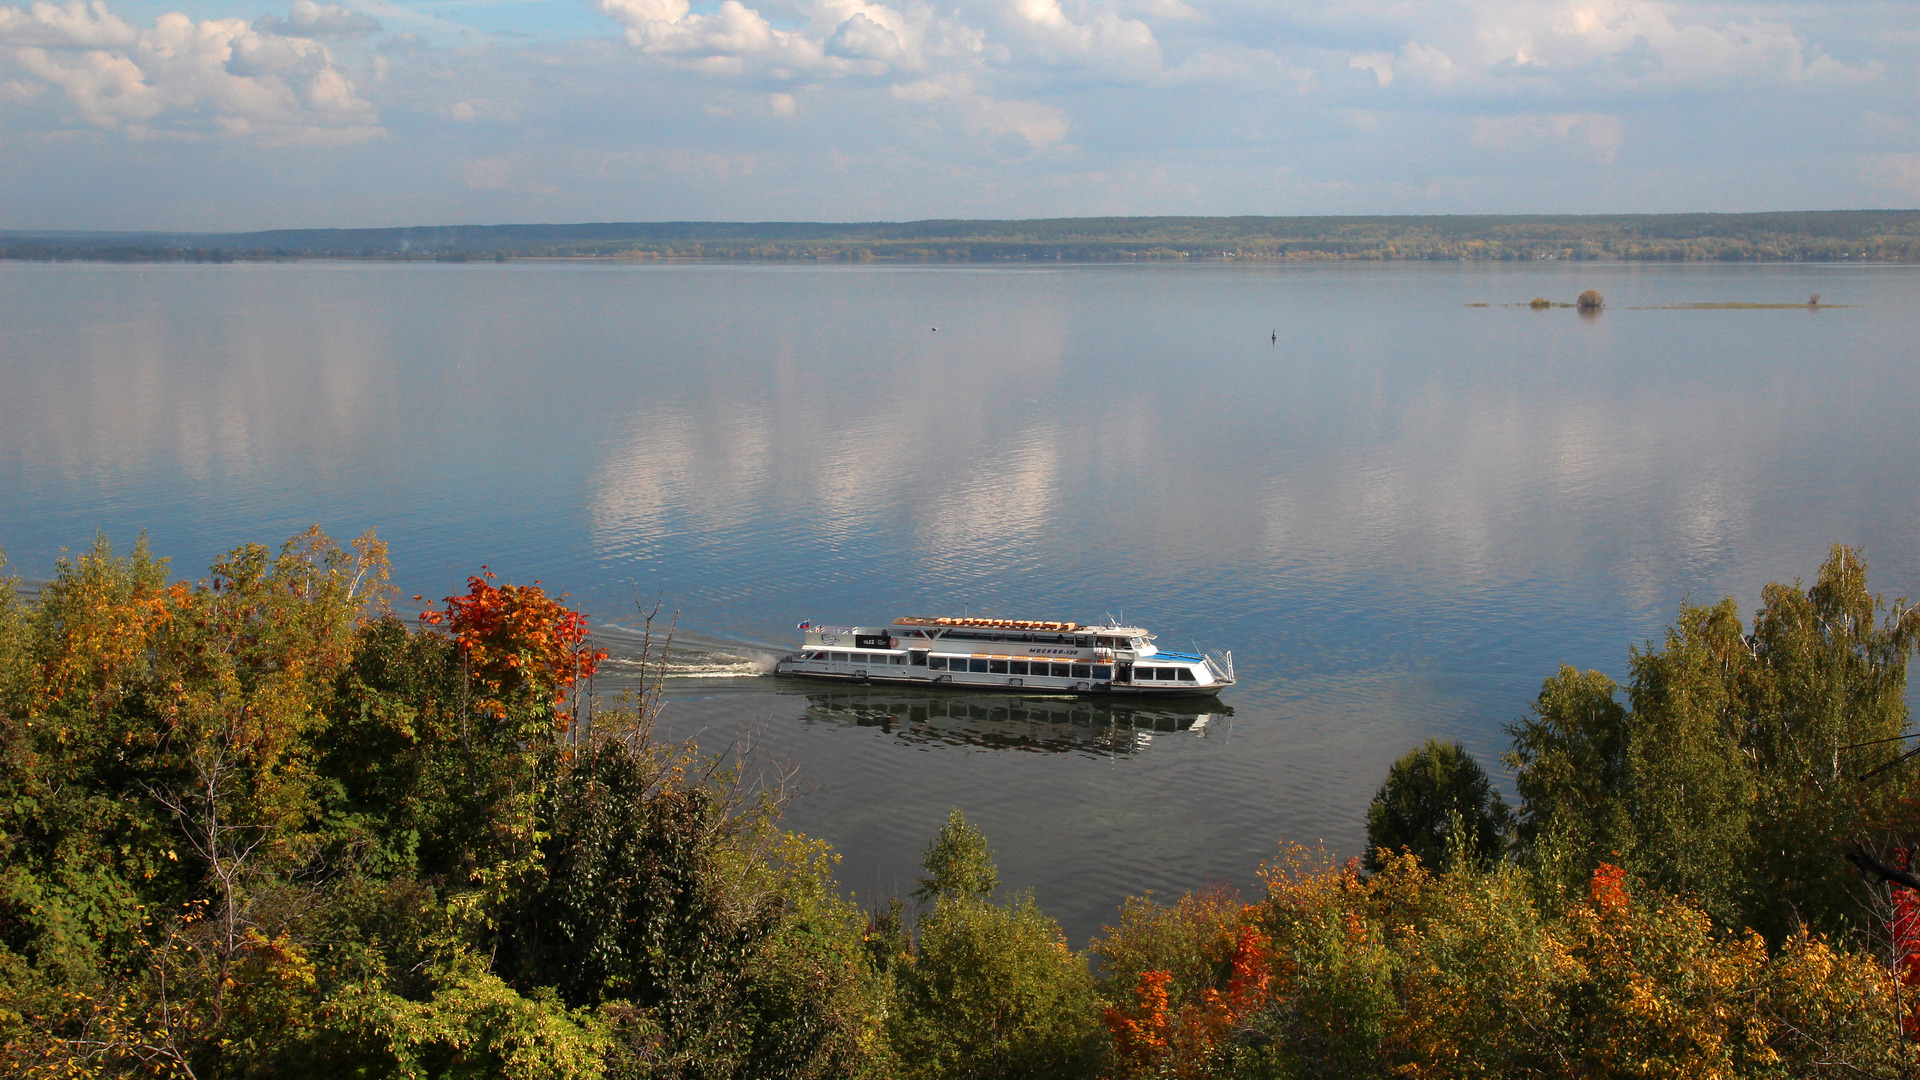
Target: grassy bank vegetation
<point>257,825</point>
<point>1825,236</point>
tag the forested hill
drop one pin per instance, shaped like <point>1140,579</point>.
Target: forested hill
<point>1825,236</point>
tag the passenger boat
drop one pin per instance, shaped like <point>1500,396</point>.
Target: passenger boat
<point>999,654</point>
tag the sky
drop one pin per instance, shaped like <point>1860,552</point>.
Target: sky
<point>246,114</point>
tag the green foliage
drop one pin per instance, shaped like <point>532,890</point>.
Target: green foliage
<point>988,990</point>
<point>992,990</point>
<point>1438,804</point>
<point>471,1025</point>
<point>958,862</point>
<point>257,825</point>
<point>1734,774</point>
<point>1570,759</point>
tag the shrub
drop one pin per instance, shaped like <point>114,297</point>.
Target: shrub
<point>1591,300</point>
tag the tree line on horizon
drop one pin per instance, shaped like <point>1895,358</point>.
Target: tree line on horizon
<point>1812,236</point>
<point>258,825</point>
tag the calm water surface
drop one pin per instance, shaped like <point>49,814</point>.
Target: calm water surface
<point>1400,517</point>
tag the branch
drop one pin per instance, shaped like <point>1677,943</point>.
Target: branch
<point>1870,865</point>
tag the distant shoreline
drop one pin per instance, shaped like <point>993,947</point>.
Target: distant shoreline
<point>1836,236</point>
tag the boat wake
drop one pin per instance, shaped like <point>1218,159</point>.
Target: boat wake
<point>688,656</point>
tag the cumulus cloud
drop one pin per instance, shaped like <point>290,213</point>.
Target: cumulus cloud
<point>183,78</point>
<point>1100,36</point>
<point>855,37</point>
<point>834,37</point>
<point>308,19</point>
<point>1620,42</point>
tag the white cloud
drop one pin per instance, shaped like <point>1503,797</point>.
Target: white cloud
<point>182,78</point>
<point>74,25</point>
<point>783,105</point>
<point>855,37</point>
<point>1572,43</point>
<point>1100,36</point>
<point>1380,64</point>
<point>308,19</point>
<point>1040,125</point>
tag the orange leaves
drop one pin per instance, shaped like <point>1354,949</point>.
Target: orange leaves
<point>103,612</point>
<point>1140,1033</point>
<point>1250,971</point>
<point>1608,892</point>
<point>516,639</point>
<point>1178,1020</point>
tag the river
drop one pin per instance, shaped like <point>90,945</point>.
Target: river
<point>1399,511</point>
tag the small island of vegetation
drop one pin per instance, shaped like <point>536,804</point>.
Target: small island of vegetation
<point>259,825</point>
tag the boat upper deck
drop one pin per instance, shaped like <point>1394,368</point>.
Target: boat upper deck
<point>1047,631</point>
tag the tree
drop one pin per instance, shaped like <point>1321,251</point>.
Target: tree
<point>1742,765</point>
<point>1570,767</point>
<point>1438,804</point>
<point>958,862</point>
<point>990,990</point>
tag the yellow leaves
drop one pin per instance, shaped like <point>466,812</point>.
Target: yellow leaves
<point>1469,978</point>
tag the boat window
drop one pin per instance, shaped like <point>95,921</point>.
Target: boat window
<point>997,667</point>
<point>1062,671</point>
<point>1105,642</point>
<point>1186,674</point>
<point>1083,671</point>
<point>977,665</point>
<point>1018,667</point>
<point>1103,672</point>
<point>1151,673</point>
<point>897,659</point>
<point>937,663</point>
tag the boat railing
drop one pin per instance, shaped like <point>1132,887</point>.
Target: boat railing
<point>1221,664</point>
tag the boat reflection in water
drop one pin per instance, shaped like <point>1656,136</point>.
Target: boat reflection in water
<point>1102,726</point>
